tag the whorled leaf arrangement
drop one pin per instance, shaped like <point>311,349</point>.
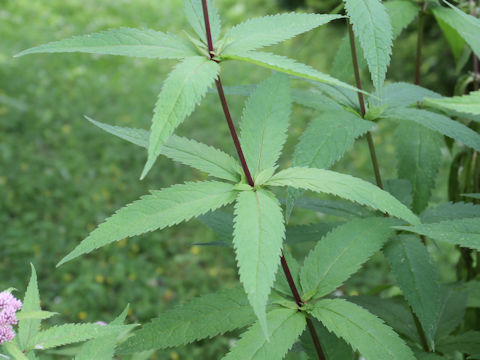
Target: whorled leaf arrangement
<point>257,228</point>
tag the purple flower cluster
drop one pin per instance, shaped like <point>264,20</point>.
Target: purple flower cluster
<point>8,307</point>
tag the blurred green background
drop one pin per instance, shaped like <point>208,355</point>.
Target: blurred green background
<point>60,176</point>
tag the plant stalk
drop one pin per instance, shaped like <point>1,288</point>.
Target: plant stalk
<point>421,26</point>
<point>475,57</point>
<point>361,100</point>
<point>249,178</point>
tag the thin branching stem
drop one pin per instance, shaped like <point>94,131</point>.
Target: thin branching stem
<point>361,100</point>
<point>249,178</point>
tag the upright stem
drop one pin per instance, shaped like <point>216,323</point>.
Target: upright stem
<point>475,57</point>
<point>249,178</point>
<point>361,100</point>
<point>421,25</point>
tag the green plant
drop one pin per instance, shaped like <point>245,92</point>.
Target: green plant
<point>301,296</point>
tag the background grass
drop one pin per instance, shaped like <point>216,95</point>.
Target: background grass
<point>60,176</point>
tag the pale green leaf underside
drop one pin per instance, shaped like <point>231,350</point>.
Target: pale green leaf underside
<point>162,208</point>
<point>39,315</point>
<point>269,30</point>
<point>182,91</point>
<point>436,122</point>
<point>284,328</point>
<point>12,349</point>
<point>325,141</point>
<point>257,237</point>
<point>345,186</point>
<point>194,12</point>
<point>72,333</point>
<point>404,94</point>
<point>264,125</point>
<point>201,318</point>
<point>371,24</point>
<point>466,25</point>
<point>469,104</point>
<point>189,152</point>
<point>419,155</point>
<point>417,277</point>
<point>463,232</point>
<point>124,41</point>
<point>28,328</point>
<point>288,66</point>
<point>341,253</point>
<point>362,330</point>
<point>472,195</point>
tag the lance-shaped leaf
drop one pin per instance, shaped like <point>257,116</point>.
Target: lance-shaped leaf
<point>269,30</point>
<point>194,12</point>
<point>419,156</point>
<point>265,123</point>
<point>201,318</point>
<point>338,208</point>
<point>454,39</point>
<point>405,94</point>
<point>284,328</point>
<point>469,104</point>
<point>103,348</point>
<point>466,25</point>
<point>184,88</point>
<point>463,232</point>
<point>450,211</point>
<point>436,122</point>
<point>417,277</point>
<point>189,152</point>
<point>453,302</point>
<point>362,330</point>
<point>401,14</point>
<point>325,141</point>
<point>345,186</point>
<point>288,66</point>
<point>258,235</point>
<point>28,328</point>
<point>472,195</point>
<point>162,208</point>
<point>371,24</point>
<point>341,253</point>
<point>124,41</point>
<point>72,333</point>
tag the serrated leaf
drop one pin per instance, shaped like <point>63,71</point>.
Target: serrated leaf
<point>436,122</point>
<point>404,94</point>
<point>72,333</point>
<point>124,41</point>
<point>325,140</point>
<point>269,30</point>
<point>394,311</point>
<point>201,318</point>
<point>341,253</point>
<point>184,88</point>
<point>453,302</point>
<point>333,347</point>
<point>401,189</point>
<point>455,41</point>
<point>466,25</point>
<point>465,343</point>
<point>39,315</point>
<point>103,348</point>
<point>194,12</point>
<point>362,330</point>
<point>417,277</point>
<point>371,24</point>
<point>472,195</point>
<point>265,121</point>
<point>13,350</point>
<point>469,104</point>
<point>418,151</point>
<point>345,186</point>
<point>186,151</point>
<point>284,328</point>
<point>401,14</point>
<point>257,237</point>
<point>288,66</point>
<point>450,211</point>
<point>463,232</point>
<point>28,328</point>
<point>162,208</point>
<point>338,208</point>
<point>311,232</point>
